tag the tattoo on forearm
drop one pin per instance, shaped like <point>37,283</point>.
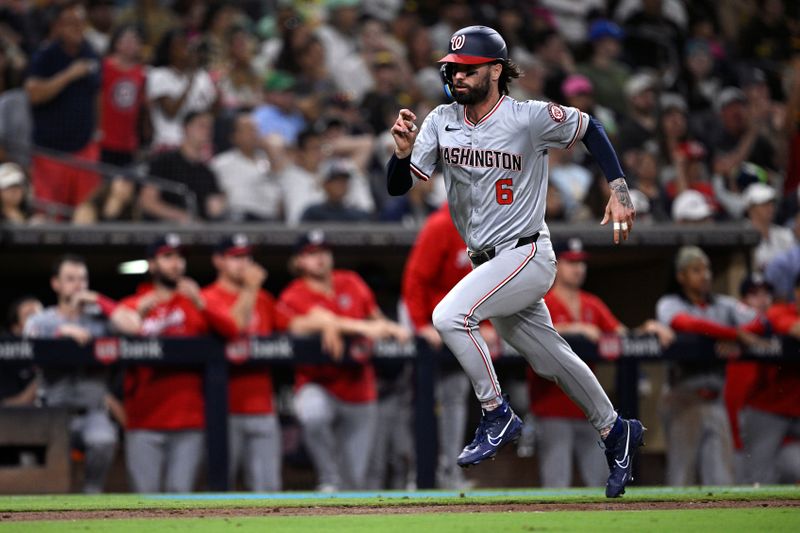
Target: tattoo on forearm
<point>620,190</point>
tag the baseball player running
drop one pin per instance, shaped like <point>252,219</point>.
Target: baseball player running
<point>493,154</point>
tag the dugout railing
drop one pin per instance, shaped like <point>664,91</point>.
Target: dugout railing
<point>214,357</point>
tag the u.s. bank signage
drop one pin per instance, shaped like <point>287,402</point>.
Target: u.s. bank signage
<point>240,350</point>
<point>16,350</point>
<point>108,350</point>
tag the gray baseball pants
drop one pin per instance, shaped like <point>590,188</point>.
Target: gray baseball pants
<point>452,402</point>
<point>96,434</point>
<point>393,445</point>
<point>254,448</point>
<point>762,440</point>
<point>93,431</point>
<point>508,290</point>
<point>338,435</point>
<point>172,455</point>
<point>559,441</point>
<point>699,440</point>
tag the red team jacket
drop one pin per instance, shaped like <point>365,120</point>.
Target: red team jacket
<point>169,398</point>
<point>767,387</point>
<point>436,263</point>
<point>777,388</point>
<point>122,95</point>
<point>249,390</point>
<point>352,298</point>
<point>546,397</point>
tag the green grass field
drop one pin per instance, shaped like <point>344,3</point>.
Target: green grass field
<point>483,518</point>
<point>727,520</point>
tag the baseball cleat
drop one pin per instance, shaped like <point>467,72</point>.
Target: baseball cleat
<point>621,445</point>
<point>496,429</point>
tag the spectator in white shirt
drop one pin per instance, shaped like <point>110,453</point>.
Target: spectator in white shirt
<point>302,179</point>
<point>176,87</point>
<point>244,175</point>
<point>760,201</point>
<point>339,37</point>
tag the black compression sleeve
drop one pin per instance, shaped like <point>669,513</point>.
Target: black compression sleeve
<point>398,175</point>
<point>600,147</point>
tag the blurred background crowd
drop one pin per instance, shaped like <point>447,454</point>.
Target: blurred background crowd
<point>279,111</point>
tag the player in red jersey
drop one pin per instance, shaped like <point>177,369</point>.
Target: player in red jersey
<point>253,429</point>
<point>436,263</point>
<point>164,405</point>
<point>772,410</point>
<point>562,431</point>
<point>336,403</point>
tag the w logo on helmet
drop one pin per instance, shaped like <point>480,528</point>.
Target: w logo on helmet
<point>474,45</point>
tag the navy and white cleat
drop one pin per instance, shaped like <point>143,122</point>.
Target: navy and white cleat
<point>496,429</point>
<point>621,445</point>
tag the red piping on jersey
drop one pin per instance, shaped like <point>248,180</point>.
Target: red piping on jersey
<point>578,131</point>
<point>420,174</point>
<point>486,362</point>
<point>486,116</point>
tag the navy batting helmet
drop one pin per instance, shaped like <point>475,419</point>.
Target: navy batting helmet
<point>475,45</point>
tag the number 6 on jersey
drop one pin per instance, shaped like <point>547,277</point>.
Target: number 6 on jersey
<point>503,191</point>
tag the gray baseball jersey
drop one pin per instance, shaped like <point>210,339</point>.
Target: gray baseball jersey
<point>495,170</point>
<point>78,387</point>
<point>720,309</point>
<point>698,434</point>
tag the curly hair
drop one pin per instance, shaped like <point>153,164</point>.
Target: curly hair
<point>510,72</point>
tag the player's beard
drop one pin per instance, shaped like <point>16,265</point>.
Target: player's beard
<point>159,278</point>
<point>476,94</point>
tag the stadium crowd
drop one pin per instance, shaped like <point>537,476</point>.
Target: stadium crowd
<point>202,111</point>
<point>294,101</point>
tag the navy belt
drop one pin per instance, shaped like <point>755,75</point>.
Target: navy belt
<point>480,257</point>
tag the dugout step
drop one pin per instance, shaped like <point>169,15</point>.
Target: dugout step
<point>34,450</point>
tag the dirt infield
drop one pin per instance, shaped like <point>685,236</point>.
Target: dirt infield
<point>331,510</point>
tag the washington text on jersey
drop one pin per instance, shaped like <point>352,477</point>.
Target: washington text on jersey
<point>470,157</point>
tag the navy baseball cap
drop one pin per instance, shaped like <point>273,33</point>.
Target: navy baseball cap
<point>570,250</point>
<point>235,245</point>
<point>605,28</point>
<point>311,241</point>
<point>165,244</point>
<point>755,280</point>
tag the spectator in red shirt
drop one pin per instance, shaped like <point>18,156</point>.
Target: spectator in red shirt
<point>121,97</point>
<point>436,263</point>
<point>335,403</point>
<point>772,410</point>
<point>164,405</point>
<point>562,431</point>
